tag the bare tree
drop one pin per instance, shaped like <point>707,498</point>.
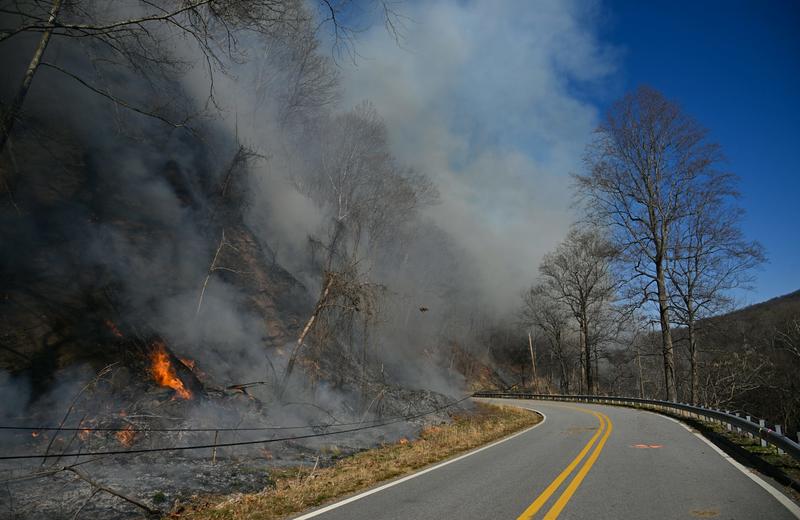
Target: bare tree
<point>709,257</point>
<point>294,74</point>
<point>789,339</point>
<point>645,161</point>
<point>366,198</point>
<point>139,37</point>
<point>545,311</point>
<point>578,274</point>
<point>135,38</point>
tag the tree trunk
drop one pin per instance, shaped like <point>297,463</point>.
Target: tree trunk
<point>694,381</point>
<point>639,366</point>
<point>666,335</point>
<point>563,364</point>
<point>564,376</point>
<point>19,99</point>
<point>364,385</point>
<point>586,352</point>
<point>533,362</point>
<point>321,301</point>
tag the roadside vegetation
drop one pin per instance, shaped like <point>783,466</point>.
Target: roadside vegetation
<point>295,489</point>
<point>784,463</point>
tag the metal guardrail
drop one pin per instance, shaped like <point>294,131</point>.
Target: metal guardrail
<point>769,436</point>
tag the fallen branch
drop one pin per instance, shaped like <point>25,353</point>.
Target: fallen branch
<point>211,270</point>
<point>242,386</point>
<point>94,381</point>
<point>321,409</point>
<point>98,486</point>
<point>377,396</point>
<point>88,499</point>
<point>214,450</point>
<point>321,303</point>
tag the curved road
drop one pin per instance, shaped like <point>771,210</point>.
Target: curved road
<point>583,461</point>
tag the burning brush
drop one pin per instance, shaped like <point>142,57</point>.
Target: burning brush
<point>164,373</point>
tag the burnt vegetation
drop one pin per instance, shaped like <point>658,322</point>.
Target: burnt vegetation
<point>202,246</point>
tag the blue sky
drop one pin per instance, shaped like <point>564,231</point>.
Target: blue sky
<point>735,66</point>
<point>496,101</point>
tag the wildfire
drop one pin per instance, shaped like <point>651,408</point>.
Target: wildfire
<point>164,373</point>
<point>125,437</point>
<point>113,328</point>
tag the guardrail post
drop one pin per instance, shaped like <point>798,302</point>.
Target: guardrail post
<point>779,431</point>
<point>763,424</point>
<point>727,424</point>
<point>748,420</point>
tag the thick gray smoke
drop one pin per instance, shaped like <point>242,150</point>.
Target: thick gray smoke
<point>486,98</point>
<point>119,214</point>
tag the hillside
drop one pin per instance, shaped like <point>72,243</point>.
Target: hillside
<point>750,358</point>
<point>775,310</point>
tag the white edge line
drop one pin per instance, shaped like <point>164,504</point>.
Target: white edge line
<point>420,473</point>
<point>780,497</point>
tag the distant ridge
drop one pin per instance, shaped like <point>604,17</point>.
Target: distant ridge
<point>778,305</point>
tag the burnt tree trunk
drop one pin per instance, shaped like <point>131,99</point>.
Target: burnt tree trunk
<point>19,99</point>
<point>322,300</point>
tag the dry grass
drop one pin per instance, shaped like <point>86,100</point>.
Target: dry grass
<point>297,489</point>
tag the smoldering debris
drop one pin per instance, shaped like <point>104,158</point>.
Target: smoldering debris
<point>126,486</point>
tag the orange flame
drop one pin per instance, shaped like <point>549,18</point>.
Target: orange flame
<point>34,434</point>
<point>113,328</point>
<point>164,373</point>
<point>125,437</point>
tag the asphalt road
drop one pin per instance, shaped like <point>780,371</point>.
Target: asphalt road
<point>584,461</point>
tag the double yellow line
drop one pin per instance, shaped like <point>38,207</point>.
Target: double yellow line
<point>605,430</point>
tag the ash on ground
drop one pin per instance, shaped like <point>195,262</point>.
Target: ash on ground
<point>162,481</point>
